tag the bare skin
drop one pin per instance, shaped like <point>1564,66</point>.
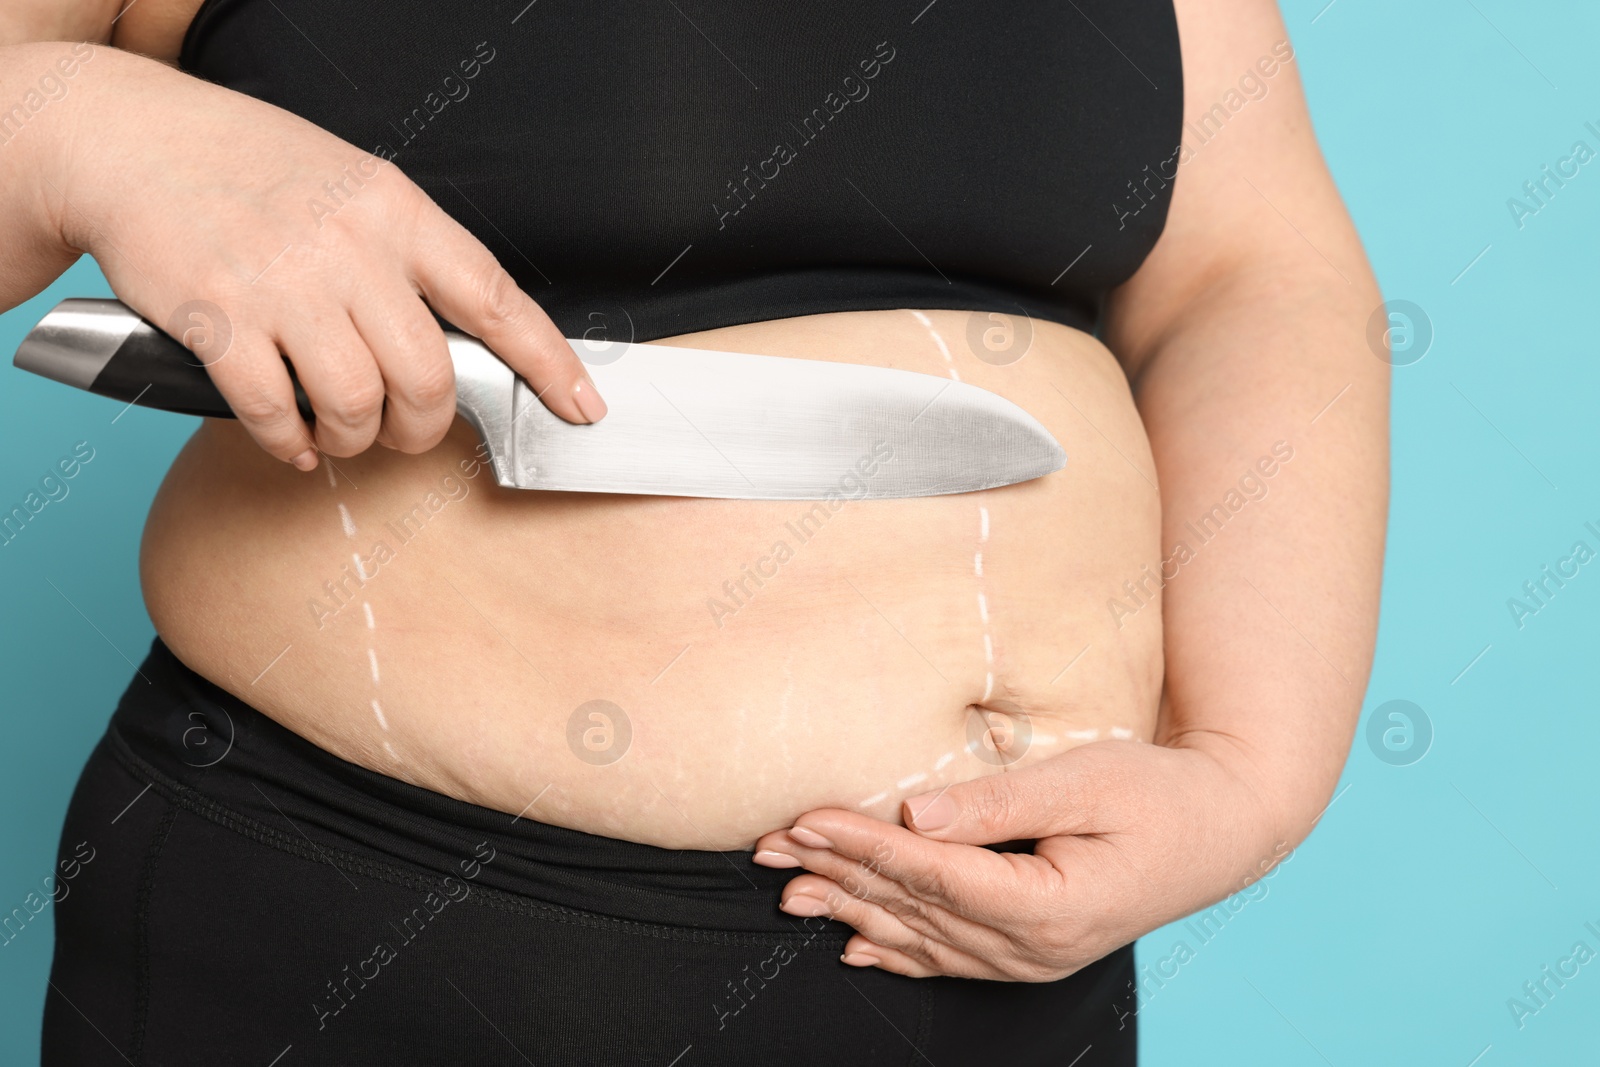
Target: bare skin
<point>1247,319</point>
<point>860,672</point>
<point>846,677</point>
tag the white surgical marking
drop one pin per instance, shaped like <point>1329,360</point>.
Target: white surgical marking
<point>939,763</point>
<point>1121,733</point>
<point>348,523</point>
<point>368,609</point>
<point>944,349</point>
<point>875,798</point>
<point>1045,739</point>
<point>1083,735</point>
<point>907,783</point>
<point>983,529</point>
<point>372,658</point>
<point>378,711</point>
<point>359,572</point>
<point>387,747</point>
<point>333,481</point>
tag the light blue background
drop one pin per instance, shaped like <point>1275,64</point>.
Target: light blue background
<point>1431,892</point>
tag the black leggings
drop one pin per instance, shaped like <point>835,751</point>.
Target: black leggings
<point>235,895</point>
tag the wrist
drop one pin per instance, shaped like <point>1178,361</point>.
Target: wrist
<point>80,97</point>
<point>1275,807</point>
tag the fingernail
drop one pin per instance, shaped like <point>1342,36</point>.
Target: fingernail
<point>769,858</point>
<point>809,838</point>
<point>930,812</point>
<point>306,460</point>
<point>860,959</point>
<point>805,907</point>
<point>588,400</point>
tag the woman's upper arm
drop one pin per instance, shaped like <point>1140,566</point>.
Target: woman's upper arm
<point>26,21</point>
<point>1250,190</point>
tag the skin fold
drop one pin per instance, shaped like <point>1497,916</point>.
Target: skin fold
<point>916,679</point>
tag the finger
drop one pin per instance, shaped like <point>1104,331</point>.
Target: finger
<point>341,379</point>
<point>462,282</point>
<point>924,916</point>
<point>859,952</point>
<point>964,878</point>
<point>881,927</point>
<point>256,384</point>
<point>419,380</point>
<point>1071,793</point>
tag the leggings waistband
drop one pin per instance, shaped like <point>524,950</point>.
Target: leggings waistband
<point>221,758</point>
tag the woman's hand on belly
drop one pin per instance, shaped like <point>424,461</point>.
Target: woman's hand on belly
<point>1128,836</point>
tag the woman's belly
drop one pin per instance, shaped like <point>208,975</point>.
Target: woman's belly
<point>683,672</point>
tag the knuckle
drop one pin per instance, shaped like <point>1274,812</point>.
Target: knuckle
<point>904,908</point>
<point>921,947</point>
<point>431,385</point>
<point>924,882</point>
<point>259,402</point>
<point>991,809</point>
<point>353,395</point>
<point>258,410</point>
<point>499,303</point>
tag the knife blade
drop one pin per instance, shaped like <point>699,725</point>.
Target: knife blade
<point>681,422</point>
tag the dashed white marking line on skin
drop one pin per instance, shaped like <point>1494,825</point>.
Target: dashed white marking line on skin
<point>1121,733</point>
<point>944,349</point>
<point>360,573</point>
<point>345,520</point>
<point>366,607</point>
<point>1045,739</point>
<point>875,798</point>
<point>378,711</point>
<point>907,783</point>
<point>333,480</point>
<point>1083,735</point>
<point>983,537</point>
<point>372,658</point>
<point>939,764</point>
<point>387,747</point>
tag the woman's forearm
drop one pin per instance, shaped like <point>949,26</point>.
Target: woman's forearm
<point>43,90</point>
<point>1268,416</point>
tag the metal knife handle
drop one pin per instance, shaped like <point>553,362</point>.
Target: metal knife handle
<point>104,347</point>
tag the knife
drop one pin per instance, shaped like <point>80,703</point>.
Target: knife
<point>681,422</point>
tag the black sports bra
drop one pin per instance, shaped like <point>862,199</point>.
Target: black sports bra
<point>657,167</point>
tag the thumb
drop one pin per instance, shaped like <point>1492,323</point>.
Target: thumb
<point>1056,796</point>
